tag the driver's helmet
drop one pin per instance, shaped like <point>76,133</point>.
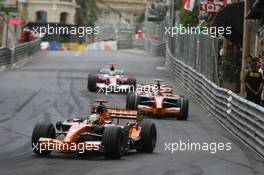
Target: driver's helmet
<point>94,119</point>
<point>101,109</point>
<point>159,86</point>
<point>112,70</point>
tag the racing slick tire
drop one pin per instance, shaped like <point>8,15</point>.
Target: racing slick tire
<point>113,142</point>
<point>148,134</point>
<point>92,79</point>
<point>131,101</point>
<point>133,84</point>
<point>44,129</point>
<point>184,109</point>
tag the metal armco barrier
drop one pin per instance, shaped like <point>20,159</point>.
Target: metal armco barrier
<point>243,118</point>
<point>19,52</point>
<point>5,56</point>
<point>155,49</point>
<point>25,50</point>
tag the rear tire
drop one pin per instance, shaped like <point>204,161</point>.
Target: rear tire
<point>133,84</point>
<point>113,142</point>
<point>92,79</point>
<point>148,134</point>
<point>184,109</point>
<point>44,129</point>
<point>131,101</point>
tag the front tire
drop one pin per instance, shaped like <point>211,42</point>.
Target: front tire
<point>184,109</point>
<point>44,129</point>
<point>131,101</point>
<point>92,80</point>
<point>113,142</point>
<point>147,143</point>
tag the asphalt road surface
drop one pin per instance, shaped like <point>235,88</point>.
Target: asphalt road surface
<point>53,87</point>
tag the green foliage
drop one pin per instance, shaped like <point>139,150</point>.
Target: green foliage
<point>92,12</point>
<point>88,13</point>
<point>141,18</point>
<point>4,9</point>
<point>188,18</point>
<point>178,4</point>
<point>231,66</point>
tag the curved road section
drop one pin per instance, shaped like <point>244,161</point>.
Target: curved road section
<point>53,87</point>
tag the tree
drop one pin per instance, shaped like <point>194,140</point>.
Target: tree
<point>188,18</point>
<point>4,9</point>
<point>141,18</point>
<point>88,13</point>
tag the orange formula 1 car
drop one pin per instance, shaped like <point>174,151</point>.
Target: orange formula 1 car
<point>101,132</point>
<point>158,101</point>
<point>111,79</point>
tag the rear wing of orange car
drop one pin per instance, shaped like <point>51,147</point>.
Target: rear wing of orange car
<point>123,113</point>
<point>118,113</point>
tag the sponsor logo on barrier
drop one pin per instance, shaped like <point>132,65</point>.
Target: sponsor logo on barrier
<point>183,30</point>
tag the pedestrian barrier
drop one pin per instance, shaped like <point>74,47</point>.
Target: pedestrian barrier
<point>19,52</point>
